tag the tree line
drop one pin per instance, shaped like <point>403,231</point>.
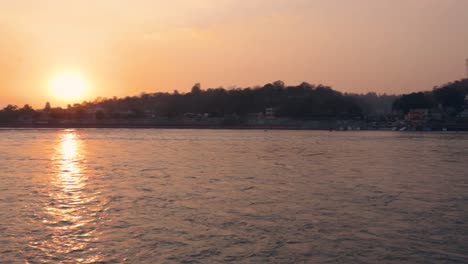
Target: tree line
<point>303,101</point>
<point>449,97</point>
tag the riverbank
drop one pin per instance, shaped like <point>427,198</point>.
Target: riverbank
<point>450,127</point>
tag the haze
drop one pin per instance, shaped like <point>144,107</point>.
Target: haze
<point>128,47</point>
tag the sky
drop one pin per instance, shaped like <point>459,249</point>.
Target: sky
<point>123,47</point>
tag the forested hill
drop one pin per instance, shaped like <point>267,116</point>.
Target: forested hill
<point>449,97</point>
<point>301,101</point>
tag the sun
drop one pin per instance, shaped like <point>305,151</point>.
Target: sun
<point>69,86</point>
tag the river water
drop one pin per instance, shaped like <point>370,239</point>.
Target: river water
<point>215,196</point>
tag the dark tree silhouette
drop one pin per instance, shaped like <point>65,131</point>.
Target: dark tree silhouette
<point>47,107</point>
<point>448,96</point>
<point>303,101</point>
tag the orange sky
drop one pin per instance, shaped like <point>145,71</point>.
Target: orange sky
<point>128,47</point>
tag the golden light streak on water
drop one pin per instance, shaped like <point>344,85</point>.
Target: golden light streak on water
<point>70,213</point>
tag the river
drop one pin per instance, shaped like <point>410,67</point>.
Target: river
<point>240,196</point>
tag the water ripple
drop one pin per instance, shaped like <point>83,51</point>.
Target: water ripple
<point>188,196</point>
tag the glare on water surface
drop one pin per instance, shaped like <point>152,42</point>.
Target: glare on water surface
<point>71,213</point>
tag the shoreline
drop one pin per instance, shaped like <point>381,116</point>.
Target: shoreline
<point>107,126</point>
<point>210,127</point>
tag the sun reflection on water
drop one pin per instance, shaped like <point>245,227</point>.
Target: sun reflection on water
<point>70,177</point>
<point>72,211</point>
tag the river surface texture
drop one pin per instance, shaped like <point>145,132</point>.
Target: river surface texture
<point>217,196</point>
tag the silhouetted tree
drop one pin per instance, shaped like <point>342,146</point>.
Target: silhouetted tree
<point>47,107</point>
<point>27,108</point>
<point>10,108</point>
<point>196,89</point>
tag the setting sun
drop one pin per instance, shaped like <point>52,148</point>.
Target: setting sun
<point>69,86</point>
